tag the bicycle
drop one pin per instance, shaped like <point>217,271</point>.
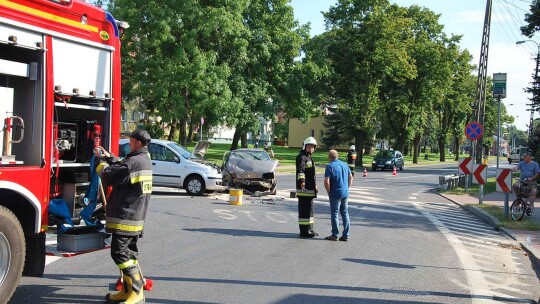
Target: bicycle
<point>521,205</point>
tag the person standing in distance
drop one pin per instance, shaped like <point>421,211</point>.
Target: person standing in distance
<point>306,188</point>
<point>351,159</point>
<point>131,181</point>
<point>530,171</point>
<point>337,181</point>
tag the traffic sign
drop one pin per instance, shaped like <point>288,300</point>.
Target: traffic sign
<point>504,180</point>
<point>499,85</point>
<point>474,130</point>
<point>479,174</point>
<point>465,165</point>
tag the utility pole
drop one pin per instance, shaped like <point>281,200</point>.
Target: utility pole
<point>534,102</point>
<point>482,82</point>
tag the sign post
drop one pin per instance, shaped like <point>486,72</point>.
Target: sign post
<point>504,184</point>
<point>465,167</point>
<point>202,124</point>
<point>480,177</point>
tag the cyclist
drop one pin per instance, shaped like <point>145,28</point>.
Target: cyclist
<point>530,171</point>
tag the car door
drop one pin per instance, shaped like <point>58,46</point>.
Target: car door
<point>165,165</point>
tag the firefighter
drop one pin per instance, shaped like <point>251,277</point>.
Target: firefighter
<point>131,181</point>
<point>306,188</point>
<point>351,159</point>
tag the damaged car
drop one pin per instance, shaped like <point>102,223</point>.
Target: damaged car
<point>174,166</point>
<point>250,169</point>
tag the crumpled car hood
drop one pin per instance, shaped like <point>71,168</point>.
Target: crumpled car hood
<point>240,166</point>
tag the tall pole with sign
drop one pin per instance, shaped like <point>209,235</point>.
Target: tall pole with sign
<point>499,91</point>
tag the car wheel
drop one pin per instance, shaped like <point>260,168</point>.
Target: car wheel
<point>401,167</point>
<point>194,185</point>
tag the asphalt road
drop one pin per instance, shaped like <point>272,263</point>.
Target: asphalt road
<point>408,245</point>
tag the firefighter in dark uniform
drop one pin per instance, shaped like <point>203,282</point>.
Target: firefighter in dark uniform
<point>306,188</point>
<point>351,159</point>
<point>131,181</point>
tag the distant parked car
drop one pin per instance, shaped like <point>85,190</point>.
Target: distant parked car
<point>387,159</point>
<point>249,169</point>
<point>174,166</point>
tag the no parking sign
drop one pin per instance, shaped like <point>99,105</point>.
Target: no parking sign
<point>474,130</point>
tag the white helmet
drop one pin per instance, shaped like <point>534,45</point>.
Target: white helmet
<point>309,141</point>
<point>352,147</point>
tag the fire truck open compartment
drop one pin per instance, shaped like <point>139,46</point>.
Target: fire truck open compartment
<point>21,95</point>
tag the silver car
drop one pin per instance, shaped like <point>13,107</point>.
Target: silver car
<point>249,169</point>
<point>174,166</point>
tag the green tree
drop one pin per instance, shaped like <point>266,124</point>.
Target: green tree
<point>532,18</point>
<point>270,77</point>
<point>174,57</point>
<point>407,102</point>
<point>364,44</point>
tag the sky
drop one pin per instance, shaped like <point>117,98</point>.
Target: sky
<point>466,18</point>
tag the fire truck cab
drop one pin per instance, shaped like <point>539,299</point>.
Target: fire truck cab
<point>59,95</point>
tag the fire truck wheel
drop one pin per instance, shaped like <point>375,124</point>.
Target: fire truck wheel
<point>12,253</point>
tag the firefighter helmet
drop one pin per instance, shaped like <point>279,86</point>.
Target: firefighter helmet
<point>309,141</point>
<point>352,147</point>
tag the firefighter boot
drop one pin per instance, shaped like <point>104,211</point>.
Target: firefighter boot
<point>135,284</point>
<point>119,296</point>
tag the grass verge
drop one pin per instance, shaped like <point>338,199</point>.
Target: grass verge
<point>498,212</point>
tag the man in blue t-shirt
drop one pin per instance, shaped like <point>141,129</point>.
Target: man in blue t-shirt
<point>530,171</point>
<point>337,181</point>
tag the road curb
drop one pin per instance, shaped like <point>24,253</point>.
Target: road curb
<point>533,253</point>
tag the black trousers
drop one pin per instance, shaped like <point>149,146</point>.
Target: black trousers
<point>352,170</point>
<point>124,248</point>
<point>305,215</point>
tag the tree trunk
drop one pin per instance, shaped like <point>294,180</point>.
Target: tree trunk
<point>416,148</point>
<point>171,132</point>
<point>243,140</point>
<point>359,140</point>
<point>190,132</point>
<point>236,137</point>
<point>400,142</point>
<point>182,137</point>
<point>456,147</point>
<point>442,155</point>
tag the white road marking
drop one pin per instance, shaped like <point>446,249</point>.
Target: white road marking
<point>479,288</point>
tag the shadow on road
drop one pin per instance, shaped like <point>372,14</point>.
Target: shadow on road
<point>245,233</point>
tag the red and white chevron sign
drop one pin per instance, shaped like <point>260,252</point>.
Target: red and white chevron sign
<point>479,174</point>
<point>465,165</point>
<point>504,180</point>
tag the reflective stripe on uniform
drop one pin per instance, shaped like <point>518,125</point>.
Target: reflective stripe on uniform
<point>141,176</point>
<point>100,167</point>
<point>301,176</point>
<point>305,193</point>
<point>124,225</point>
<point>305,221</point>
<point>127,264</point>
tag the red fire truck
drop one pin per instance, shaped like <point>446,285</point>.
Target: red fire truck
<point>59,95</point>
